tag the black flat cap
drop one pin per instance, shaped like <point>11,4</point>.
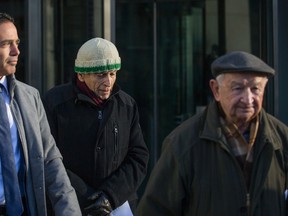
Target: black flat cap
<point>239,61</point>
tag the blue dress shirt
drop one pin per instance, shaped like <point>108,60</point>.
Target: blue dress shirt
<point>14,137</point>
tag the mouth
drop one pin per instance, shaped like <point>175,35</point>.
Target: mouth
<point>105,91</point>
<point>12,62</point>
<point>247,109</point>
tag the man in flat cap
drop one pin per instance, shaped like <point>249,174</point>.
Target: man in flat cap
<point>231,159</point>
<point>96,127</point>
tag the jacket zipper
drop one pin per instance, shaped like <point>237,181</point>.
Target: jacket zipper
<point>115,140</point>
<point>100,116</point>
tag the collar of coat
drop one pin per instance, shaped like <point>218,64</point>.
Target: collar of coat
<point>267,133</point>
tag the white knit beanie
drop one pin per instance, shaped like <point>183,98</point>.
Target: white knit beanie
<point>97,55</point>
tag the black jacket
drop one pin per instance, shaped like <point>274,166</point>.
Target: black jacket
<point>104,147</point>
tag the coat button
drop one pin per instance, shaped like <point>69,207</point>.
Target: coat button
<point>98,148</point>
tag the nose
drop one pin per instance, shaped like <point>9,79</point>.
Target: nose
<point>108,80</point>
<point>247,97</point>
<point>14,50</point>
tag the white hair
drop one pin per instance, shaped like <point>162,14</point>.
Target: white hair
<point>220,78</point>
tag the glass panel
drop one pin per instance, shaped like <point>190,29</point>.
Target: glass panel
<point>134,39</point>
<point>238,29</point>
<point>15,8</point>
<point>180,54</point>
<point>179,50</point>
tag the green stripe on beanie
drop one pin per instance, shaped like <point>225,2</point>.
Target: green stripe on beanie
<point>97,69</point>
<point>97,55</point>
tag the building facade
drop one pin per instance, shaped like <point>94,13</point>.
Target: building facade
<point>166,47</point>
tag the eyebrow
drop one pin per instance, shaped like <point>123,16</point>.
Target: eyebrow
<point>5,41</point>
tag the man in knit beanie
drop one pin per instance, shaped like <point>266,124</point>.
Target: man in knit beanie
<point>96,127</point>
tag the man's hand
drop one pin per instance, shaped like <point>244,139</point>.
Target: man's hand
<point>100,205</point>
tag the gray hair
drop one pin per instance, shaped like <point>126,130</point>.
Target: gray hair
<point>220,78</point>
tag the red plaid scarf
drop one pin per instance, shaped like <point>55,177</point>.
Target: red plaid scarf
<point>85,90</point>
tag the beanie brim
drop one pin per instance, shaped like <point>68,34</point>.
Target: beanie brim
<point>98,66</point>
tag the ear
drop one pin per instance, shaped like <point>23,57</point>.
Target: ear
<point>215,88</point>
<point>80,77</point>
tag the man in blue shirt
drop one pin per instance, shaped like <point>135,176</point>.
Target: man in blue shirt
<point>37,159</point>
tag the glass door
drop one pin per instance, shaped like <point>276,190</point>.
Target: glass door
<point>161,46</point>
<point>179,66</point>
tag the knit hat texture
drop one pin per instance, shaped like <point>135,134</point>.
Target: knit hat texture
<point>97,55</point>
<point>239,61</point>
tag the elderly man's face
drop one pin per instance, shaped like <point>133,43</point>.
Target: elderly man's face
<point>100,83</point>
<point>240,95</point>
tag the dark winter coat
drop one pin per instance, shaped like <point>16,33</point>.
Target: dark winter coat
<point>198,175</point>
<point>104,147</point>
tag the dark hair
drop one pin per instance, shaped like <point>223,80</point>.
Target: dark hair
<point>4,17</point>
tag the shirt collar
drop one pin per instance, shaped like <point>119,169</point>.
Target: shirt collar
<point>3,81</point>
